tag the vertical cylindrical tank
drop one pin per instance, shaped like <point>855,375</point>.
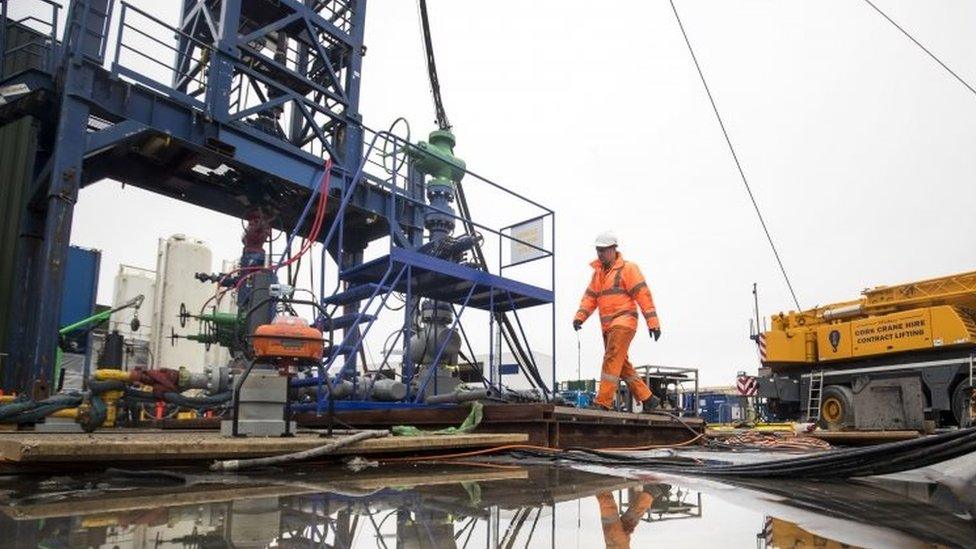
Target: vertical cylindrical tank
<point>178,259</point>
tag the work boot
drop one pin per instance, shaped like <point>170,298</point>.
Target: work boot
<point>652,403</point>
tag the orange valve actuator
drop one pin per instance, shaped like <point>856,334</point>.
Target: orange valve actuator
<point>288,338</point>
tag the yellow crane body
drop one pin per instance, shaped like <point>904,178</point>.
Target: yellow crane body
<point>896,358</point>
<point>929,314</point>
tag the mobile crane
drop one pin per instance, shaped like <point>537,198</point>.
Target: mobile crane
<point>896,357</point>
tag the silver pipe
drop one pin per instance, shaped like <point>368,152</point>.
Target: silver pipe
<point>844,311</point>
<point>463,396</point>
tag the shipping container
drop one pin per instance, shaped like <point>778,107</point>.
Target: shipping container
<point>79,293</point>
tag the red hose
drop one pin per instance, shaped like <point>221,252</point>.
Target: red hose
<point>320,209</point>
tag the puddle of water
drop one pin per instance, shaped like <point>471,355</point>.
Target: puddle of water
<point>474,506</point>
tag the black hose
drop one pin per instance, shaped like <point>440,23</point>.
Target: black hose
<point>31,411</point>
<point>96,415</point>
<point>16,407</point>
<point>435,86</point>
<point>147,474</point>
<point>99,387</point>
<point>857,462</point>
<point>197,402</point>
<point>177,399</point>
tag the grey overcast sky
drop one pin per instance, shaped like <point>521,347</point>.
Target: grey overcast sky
<point>859,148</point>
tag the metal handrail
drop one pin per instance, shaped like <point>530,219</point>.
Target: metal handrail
<point>400,143</point>
<point>336,230</point>
<point>415,149</point>
<point>51,36</point>
<point>124,23</point>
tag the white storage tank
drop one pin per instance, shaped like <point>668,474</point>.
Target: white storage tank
<point>130,282</point>
<point>178,259</point>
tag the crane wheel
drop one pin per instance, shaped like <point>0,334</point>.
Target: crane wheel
<point>837,408</point>
<point>961,404</point>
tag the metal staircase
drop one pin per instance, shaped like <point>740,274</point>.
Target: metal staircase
<point>411,270</point>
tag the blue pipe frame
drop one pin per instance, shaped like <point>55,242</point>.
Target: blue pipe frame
<point>197,117</point>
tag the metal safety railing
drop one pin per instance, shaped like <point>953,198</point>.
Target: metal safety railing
<point>143,62</point>
<point>267,107</point>
<point>394,180</point>
<point>390,153</point>
<point>28,36</point>
<point>537,251</point>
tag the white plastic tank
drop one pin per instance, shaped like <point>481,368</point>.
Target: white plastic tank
<point>130,282</point>
<point>178,258</point>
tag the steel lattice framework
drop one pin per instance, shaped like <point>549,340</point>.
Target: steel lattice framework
<point>240,105</point>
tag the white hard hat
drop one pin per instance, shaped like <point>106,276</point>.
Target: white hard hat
<point>605,239</point>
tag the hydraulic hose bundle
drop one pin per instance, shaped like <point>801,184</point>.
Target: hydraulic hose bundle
<point>27,410</point>
<point>177,399</point>
<point>884,459</point>
<point>99,404</point>
<point>90,405</point>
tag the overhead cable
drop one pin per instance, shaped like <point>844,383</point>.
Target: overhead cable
<point>919,44</point>
<point>735,157</point>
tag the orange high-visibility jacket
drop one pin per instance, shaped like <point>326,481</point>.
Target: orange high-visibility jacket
<point>616,291</point>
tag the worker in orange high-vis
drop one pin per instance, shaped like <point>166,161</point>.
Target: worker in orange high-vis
<point>618,528</point>
<point>618,290</point>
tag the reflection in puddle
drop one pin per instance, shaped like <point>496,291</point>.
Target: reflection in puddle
<point>470,506</point>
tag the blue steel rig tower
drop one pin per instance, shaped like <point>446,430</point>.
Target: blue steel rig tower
<point>259,98</point>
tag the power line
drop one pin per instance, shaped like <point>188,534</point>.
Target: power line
<point>919,44</point>
<point>735,157</point>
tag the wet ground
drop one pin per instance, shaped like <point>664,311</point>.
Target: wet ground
<point>476,506</point>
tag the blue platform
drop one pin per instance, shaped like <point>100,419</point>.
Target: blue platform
<point>442,280</point>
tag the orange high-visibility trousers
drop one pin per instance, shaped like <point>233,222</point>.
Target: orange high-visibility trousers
<point>617,529</point>
<point>616,366</point>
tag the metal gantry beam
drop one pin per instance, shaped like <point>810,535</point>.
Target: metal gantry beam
<point>191,119</point>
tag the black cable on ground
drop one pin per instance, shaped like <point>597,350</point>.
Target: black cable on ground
<point>919,44</point>
<point>883,459</point>
<point>153,474</point>
<point>735,157</point>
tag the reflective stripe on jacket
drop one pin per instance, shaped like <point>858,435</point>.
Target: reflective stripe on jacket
<point>617,292</point>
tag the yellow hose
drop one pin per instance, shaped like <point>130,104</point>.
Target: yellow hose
<point>111,375</point>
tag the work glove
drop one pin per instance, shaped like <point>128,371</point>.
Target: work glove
<point>655,333</point>
<point>577,324</point>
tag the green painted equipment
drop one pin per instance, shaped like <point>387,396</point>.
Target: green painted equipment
<point>215,328</point>
<point>436,158</point>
